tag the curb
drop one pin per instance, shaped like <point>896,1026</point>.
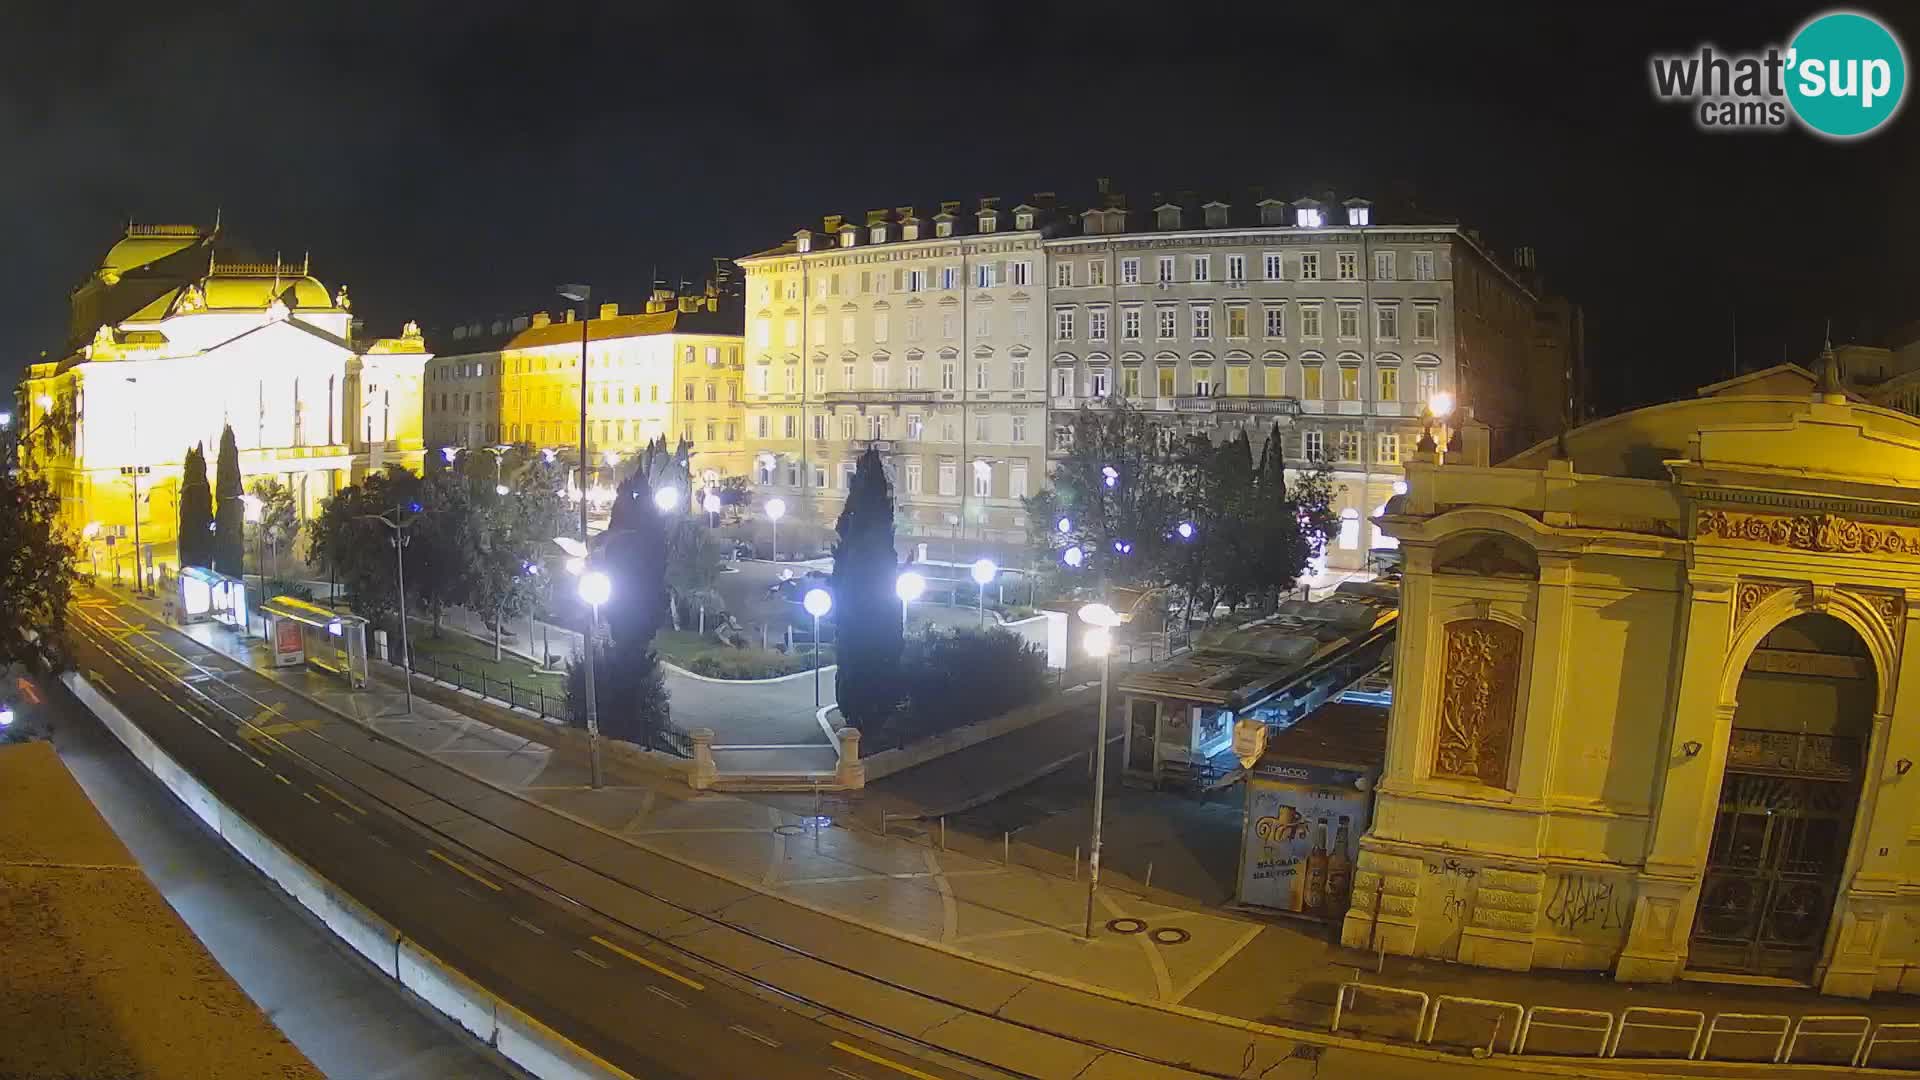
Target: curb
<point>678,670</point>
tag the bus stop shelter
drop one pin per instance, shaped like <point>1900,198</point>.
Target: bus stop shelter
<point>300,632</point>
<point>206,596</point>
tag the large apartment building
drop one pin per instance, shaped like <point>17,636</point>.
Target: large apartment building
<point>673,369</point>
<point>921,334</point>
<point>960,343</point>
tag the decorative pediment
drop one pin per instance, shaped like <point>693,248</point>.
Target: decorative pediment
<point>1490,555</point>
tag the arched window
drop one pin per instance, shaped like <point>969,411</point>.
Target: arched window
<point>1349,528</point>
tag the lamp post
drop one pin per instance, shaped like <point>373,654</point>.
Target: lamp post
<point>776,509</point>
<point>1100,644</point>
<point>255,508</point>
<point>400,539</point>
<point>595,589</point>
<point>132,474</point>
<point>817,602</point>
<point>984,572</point>
<point>580,294</point>
<point>711,504</point>
<point>908,587</point>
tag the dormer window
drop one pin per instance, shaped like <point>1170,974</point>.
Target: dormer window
<point>1216,215</point>
<point>910,231</point>
<point>989,222</point>
<point>803,243</point>
<point>943,228</point>
<point>1309,217</point>
<point>1273,213</point>
<point>1167,217</point>
<point>849,237</point>
<point>1023,220</point>
<point>1359,215</point>
<point>878,235</point>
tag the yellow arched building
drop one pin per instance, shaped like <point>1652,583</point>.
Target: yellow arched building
<point>1651,707</point>
<point>169,341</point>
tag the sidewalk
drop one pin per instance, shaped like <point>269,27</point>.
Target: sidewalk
<point>972,926</point>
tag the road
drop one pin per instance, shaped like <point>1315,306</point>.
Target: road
<point>292,771</point>
<point>349,1019</point>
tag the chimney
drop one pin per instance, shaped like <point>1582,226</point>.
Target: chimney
<point>902,213</point>
<point>950,207</point>
<point>1103,184</point>
<point>876,217</point>
<point>608,311</point>
<point>831,222</point>
<point>989,202</point>
<point>569,314</point>
<point>1045,200</point>
<point>541,318</point>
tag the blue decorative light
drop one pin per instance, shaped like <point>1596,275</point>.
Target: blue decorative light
<point>1073,556</point>
<point>1185,530</point>
<point>1123,547</point>
<point>1111,475</point>
<point>1065,526</point>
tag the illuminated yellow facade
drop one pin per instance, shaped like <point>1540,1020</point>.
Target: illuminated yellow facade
<point>673,370</point>
<point>1652,713</point>
<point>170,341</point>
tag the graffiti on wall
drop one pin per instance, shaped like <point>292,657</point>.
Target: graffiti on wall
<point>1585,904</point>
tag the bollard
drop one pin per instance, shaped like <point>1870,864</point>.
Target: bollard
<point>1006,849</point>
<point>883,823</point>
<point>1148,884</point>
<point>704,773</point>
<point>851,775</point>
<point>943,832</point>
<point>1076,862</point>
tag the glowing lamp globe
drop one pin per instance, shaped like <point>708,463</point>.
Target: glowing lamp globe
<point>1073,556</point>
<point>666,498</point>
<point>711,504</point>
<point>909,586</point>
<point>776,509</point>
<point>1065,525</point>
<point>817,602</point>
<point>595,587</point>
<point>1441,404</point>
<point>1099,615</point>
<point>500,489</point>
<point>984,571</point>
<point>1099,641</point>
<point>1185,530</point>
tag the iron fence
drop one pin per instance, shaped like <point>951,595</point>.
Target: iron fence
<point>533,697</point>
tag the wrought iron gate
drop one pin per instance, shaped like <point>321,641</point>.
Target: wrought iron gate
<point>1779,845</point>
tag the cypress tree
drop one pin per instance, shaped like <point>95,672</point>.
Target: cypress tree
<point>866,611</point>
<point>629,684</point>
<point>196,510</point>
<point>229,513</point>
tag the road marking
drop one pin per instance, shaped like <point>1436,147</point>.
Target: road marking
<point>838,1071</point>
<point>754,1035</point>
<point>104,684</point>
<point>310,797</point>
<point>591,959</point>
<point>463,870</point>
<point>255,760</point>
<point>657,992</point>
<point>646,963</point>
<point>525,925</point>
<point>343,817</point>
<point>282,779</point>
<point>381,840</point>
<point>466,892</point>
<point>342,799</point>
<point>878,1060</point>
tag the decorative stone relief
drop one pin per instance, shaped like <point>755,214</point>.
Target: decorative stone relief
<point>1480,682</point>
<point>1386,894</point>
<point>1749,596</point>
<point>1809,532</point>
<point>1891,607</point>
<point>1507,900</point>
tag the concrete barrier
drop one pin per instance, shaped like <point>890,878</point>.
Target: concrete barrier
<point>887,762</point>
<point>520,1038</point>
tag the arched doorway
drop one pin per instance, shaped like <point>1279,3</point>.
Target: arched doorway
<point>1787,801</point>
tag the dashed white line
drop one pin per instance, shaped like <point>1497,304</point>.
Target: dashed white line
<point>754,1035</point>
<point>344,818</point>
<point>838,1071</point>
<point>525,925</point>
<point>657,992</point>
<point>381,840</point>
<point>310,797</point>
<point>591,959</point>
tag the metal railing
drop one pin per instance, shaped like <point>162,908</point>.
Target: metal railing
<point>532,697</point>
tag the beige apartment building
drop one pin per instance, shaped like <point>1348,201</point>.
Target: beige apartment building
<point>917,333</point>
<point>673,369</point>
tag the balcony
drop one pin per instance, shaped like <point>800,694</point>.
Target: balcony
<point>879,397</point>
<point>1236,404</point>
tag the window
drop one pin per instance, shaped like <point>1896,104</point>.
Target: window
<point>1021,272</point>
<point>1349,525</point>
<point>1017,480</point>
<point>1236,268</point>
<point>1423,266</point>
<point>1100,383</point>
<point>1167,326</point>
<point>846,427</point>
<point>1063,273</point>
<point>1203,382</point>
<point>1017,373</point>
<point>879,376</point>
<point>1129,271</point>
<point>1308,218</point>
<point>1202,266</point>
<point>1426,322</point>
<point>713,392</point>
<point>983,276</point>
<point>1313,446</point>
<point>1389,384</point>
<point>846,475</point>
<point>1097,272</point>
<point>689,392</point>
<point>793,331</point>
<point>1347,265</point>
<point>1097,324</point>
<point>1062,382</point>
<point>947,379</point>
<point>1019,433</point>
<point>819,476</point>
<point>913,376</point>
<point>820,427</point>
<point>913,476</point>
<point>1130,324</point>
<point>1349,451</point>
<point>1426,383</point>
<point>913,327</point>
<point>877,426</point>
<point>949,275</point>
<point>1063,439</point>
<point>1130,382</point>
<point>1019,323</point>
<point>1236,320</point>
<point>982,479</point>
<point>949,479</point>
<point>1383,266</point>
<point>947,325</point>
<point>1275,381</point>
<point>761,425</point>
<point>1310,382</point>
<point>1063,324</point>
<point>712,430</point>
<point>1386,322</point>
<point>1202,322</point>
<point>1359,215</point>
<point>916,280</point>
<point>1309,266</point>
<point>732,432</point>
<point>1349,322</point>
<point>1310,321</point>
<point>1270,265</point>
<point>1166,269</point>
<point>847,331</point>
<point>1349,382</point>
<point>762,335</point>
<point>820,379</point>
<point>847,377</point>
<point>763,471</point>
<point>1388,450</point>
<point>983,428</point>
<point>1276,321</point>
<point>913,425</point>
<point>880,327</point>
<point>792,426</point>
<point>1163,379</point>
<point>981,371</point>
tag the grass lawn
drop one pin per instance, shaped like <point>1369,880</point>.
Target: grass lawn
<point>704,656</point>
<point>476,659</point>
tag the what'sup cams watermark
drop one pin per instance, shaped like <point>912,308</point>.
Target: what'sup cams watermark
<point>1843,75</point>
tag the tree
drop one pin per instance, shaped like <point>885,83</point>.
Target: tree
<point>1119,488</point>
<point>279,523</point>
<point>196,511</point>
<point>357,550</point>
<point>36,574</point>
<point>866,610</point>
<point>442,556</point>
<point>512,532</point>
<point>694,562</point>
<point>629,686</point>
<point>228,554</point>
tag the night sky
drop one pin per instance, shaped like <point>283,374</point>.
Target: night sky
<point>456,166</point>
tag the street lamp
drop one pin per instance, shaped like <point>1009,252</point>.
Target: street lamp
<point>1073,556</point>
<point>255,511</point>
<point>666,498</point>
<point>711,504</point>
<point>817,602</point>
<point>908,587</point>
<point>1099,643</point>
<point>776,509</point>
<point>983,574</point>
<point>580,294</point>
<point>400,539</point>
<point>1185,529</point>
<point>595,588</point>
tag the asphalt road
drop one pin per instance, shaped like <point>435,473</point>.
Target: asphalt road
<point>262,750</point>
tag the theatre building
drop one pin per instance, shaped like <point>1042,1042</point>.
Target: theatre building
<point>1651,710</point>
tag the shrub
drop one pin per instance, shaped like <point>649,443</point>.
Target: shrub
<point>279,586</point>
<point>958,678</point>
<point>630,702</point>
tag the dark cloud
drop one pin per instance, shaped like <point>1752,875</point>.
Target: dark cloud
<point>450,161</point>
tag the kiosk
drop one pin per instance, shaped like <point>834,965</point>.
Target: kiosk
<point>300,632</point>
<point>205,596</point>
